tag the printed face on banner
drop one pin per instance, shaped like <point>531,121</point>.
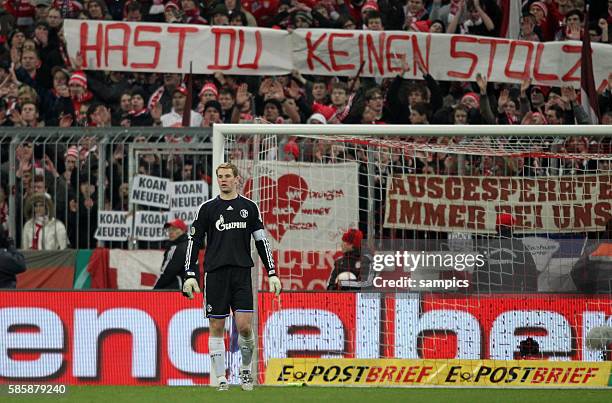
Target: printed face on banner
<point>305,214</point>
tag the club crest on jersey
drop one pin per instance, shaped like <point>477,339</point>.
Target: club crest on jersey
<point>244,213</point>
<point>208,308</point>
<point>221,225</point>
<point>192,231</point>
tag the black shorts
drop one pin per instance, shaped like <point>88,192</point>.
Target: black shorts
<point>228,288</point>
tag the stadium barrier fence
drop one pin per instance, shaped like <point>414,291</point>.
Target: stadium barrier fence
<point>89,170</point>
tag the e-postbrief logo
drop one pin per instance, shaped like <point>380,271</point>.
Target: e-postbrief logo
<point>354,374</point>
<point>527,375</point>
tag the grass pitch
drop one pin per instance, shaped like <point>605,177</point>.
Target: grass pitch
<point>136,394</point>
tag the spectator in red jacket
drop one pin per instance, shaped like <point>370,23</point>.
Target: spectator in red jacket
<point>352,267</point>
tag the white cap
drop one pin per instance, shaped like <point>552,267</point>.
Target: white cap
<point>318,117</point>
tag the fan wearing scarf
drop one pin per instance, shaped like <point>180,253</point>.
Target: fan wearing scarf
<point>42,231</point>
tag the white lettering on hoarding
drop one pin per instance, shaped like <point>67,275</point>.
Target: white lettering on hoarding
<point>48,337</point>
<point>409,327</point>
<point>89,325</point>
<point>367,332</point>
<point>504,341</point>
<point>280,340</point>
<point>180,349</point>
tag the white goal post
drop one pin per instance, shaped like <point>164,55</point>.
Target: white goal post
<point>314,183</point>
<point>221,131</point>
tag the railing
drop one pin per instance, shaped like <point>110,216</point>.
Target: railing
<point>86,170</point>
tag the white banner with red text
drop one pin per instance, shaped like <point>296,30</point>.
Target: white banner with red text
<point>304,206</point>
<point>161,338</point>
<point>154,47</point>
<point>470,204</point>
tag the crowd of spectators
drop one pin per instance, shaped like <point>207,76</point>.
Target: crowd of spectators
<point>41,86</point>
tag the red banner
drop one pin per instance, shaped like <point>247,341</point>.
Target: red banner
<point>160,338</point>
<point>131,46</point>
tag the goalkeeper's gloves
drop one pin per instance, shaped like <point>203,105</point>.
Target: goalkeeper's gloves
<point>190,286</point>
<point>275,284</point>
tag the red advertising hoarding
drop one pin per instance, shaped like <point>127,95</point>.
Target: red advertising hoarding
<point>160,338</point>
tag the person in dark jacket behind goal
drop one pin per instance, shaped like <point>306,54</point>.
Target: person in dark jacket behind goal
<point>509,267</point>
<point>12,262</point>
<point>173,264</point>
<point>228,222</point>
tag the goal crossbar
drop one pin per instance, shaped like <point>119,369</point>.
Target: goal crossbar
<point>417,130</point>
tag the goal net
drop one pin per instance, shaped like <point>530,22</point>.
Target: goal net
<point>438,243</point>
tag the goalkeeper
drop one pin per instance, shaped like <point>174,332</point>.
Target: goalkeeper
<point>228,221</point>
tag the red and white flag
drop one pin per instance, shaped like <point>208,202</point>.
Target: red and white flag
<point>511,20</point>
<point>588,91</point>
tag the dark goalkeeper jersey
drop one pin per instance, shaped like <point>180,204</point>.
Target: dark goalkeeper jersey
<point>227,225</point>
